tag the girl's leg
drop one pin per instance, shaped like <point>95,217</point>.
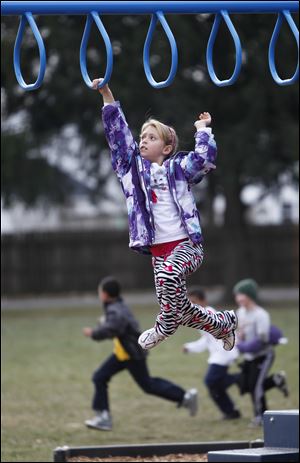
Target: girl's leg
<point>176,308</point>
<point>167,320</point>
<point>159,287</point>
<point>156,262</point>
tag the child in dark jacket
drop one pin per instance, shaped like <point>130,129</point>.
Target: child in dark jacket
<point>120,324</point>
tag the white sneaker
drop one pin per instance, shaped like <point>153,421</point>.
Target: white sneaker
<point>229,340</point>
<point>150,338</point>
<point>190,401</point>
<point>102,421</point>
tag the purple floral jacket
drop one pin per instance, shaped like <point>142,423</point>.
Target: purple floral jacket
<point>183,169</point>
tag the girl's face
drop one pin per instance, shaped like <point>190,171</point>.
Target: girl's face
<point>152,147</point>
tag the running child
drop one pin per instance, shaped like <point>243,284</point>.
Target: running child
<point>217,378</point>
<point>256,340</point>
<point>120,325</point>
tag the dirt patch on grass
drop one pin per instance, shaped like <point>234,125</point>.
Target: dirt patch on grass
<point>178,457</point>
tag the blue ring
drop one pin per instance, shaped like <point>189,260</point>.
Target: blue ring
<point>287,15</point>
<point>209,51</point>
<point>17,50</point>
<point>158,16</point>
<point>93,16</point>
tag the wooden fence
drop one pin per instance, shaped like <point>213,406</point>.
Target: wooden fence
<point>56,262</point>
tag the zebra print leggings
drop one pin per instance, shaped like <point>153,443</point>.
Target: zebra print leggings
<point>170,272</point>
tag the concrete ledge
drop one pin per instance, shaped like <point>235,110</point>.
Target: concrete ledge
<point>266,454</point>
<point>62,454</point>
<point>281,428</point>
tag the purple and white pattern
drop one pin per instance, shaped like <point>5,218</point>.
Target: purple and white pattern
<point>183,170</point>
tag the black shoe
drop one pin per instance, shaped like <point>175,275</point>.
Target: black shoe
<point>280,381</point>
<point>232,416</point>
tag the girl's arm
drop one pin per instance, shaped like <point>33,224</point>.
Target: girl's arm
<point>117,132</point>
<point>196,164</point>
<point>105,91</point>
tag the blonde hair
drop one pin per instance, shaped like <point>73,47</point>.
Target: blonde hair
<point>165,132</point>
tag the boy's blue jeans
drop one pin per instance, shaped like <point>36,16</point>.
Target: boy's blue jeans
<point>140,373</point>
<point>217,380</point>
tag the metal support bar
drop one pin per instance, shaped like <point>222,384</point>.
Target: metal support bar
<point>145,7</point>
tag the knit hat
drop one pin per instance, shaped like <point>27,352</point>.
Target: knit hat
<point>248,287</point>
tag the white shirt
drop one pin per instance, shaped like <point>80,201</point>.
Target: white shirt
<point>167,221</point>
<point>253,323</point>
<point>217,354</point>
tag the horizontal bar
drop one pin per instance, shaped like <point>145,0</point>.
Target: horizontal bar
<point>145,7</point>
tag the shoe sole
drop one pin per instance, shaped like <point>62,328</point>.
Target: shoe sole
<point>228,347</point>
<point>232,344</point>
<point>143,342</point>
<point>98,428</point>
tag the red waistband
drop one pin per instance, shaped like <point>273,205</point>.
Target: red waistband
<point>162,249</point>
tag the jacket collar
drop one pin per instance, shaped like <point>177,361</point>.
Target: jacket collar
<point>115,301</point>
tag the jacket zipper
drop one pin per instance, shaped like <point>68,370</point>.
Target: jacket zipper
<point>144,187</point>
<point>173,191</point>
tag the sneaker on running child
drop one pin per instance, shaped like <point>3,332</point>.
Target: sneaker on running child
<point>280,381</point>
<point>101,421</point>
<point>190,401</point>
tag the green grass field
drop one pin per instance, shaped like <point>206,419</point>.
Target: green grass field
<point>46,388</point>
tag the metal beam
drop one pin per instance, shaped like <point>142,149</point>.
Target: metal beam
<point>145,7</point>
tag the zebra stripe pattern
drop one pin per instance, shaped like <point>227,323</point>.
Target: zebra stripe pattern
<point>176,309</point>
